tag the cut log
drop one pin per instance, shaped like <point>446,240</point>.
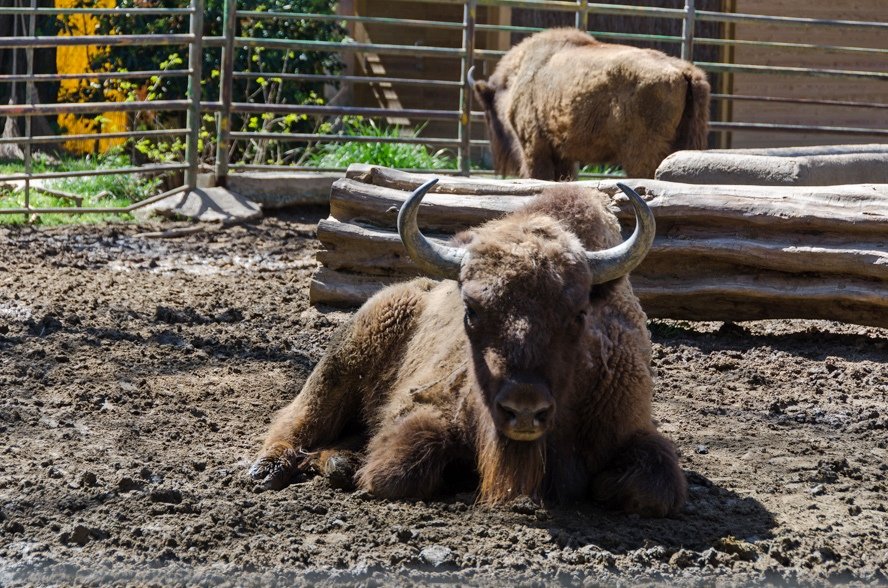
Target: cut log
<point>721,252</point>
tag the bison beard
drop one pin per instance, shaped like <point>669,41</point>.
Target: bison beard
<point>531,364</point>
<point>560,98</point>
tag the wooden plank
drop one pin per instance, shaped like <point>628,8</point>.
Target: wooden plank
<point>721,252</point>
<point>377,251</point>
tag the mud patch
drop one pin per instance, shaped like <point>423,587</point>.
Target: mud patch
<point>137,377</point>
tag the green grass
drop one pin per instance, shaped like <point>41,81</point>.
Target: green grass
<point>398,155</point>
<point>117,190</point>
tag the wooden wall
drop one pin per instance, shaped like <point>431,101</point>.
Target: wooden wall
<point>809,87</point>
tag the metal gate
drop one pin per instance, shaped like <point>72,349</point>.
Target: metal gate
<point>456,115</point>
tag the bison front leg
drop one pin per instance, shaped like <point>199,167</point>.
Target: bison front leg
<point>406,459</point>
<point>644,477</point>
<point>345,386</point>
<point>313,419</point>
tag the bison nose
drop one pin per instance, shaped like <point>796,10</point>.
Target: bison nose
<point>525,410</point>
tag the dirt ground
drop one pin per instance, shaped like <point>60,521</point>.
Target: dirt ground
<point>137,376</point>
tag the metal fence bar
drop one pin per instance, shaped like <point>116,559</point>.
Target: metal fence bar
<point>358,79</point>
<point>302,137</point>
<point>399,22</point>
<point>93,136</point>
<point>582,18</point>
<point>800,71</point>
<point>30,90</point>
<point>821,130</point>
<point>111,171</point>
<point>97,11</point>
<point>111,75</point>
<point>330,46</point>
<point>687,32</point>
<point>848,103</point>
<point>348,110</point>
<point>195,64</point>
<point>465,94</point>
<point>35,42</point>
<point>226,89</point>
<point>87,107</point>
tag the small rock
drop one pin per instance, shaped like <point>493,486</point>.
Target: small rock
<point>166,495</point>
<point>88,479</point>
<point>817,490</point>
<point>437,555</point>
<point>524,505</point>
<point>13,527</point>
<point>127,484</point>
<point>701,449</point>
<point>682,558</point>
<point>80,535</point>
<point>709,557</point>
<point>742,549</point>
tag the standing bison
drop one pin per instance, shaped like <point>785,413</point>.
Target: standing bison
<point>560,98</point>
<point>529,365</point>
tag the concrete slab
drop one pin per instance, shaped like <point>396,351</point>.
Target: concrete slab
<point>789,166</point>
<point>281,189</point>
<point>206,205</point>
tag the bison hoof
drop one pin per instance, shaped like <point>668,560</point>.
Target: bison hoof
<point>340,471</point>
<point>274,473</point>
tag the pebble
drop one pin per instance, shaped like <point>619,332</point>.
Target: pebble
<point>166,495</point>
<point>437,555</point>
<point>817,490</point>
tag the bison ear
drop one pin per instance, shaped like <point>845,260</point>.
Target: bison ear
<point>485,93</point>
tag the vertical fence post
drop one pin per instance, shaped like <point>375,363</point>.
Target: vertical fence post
<point>582,20</point>
<point>226,84</point>
<point>465,94</point>
<point>687,31</point>
<point>30,90</point>
<point>195,64</point>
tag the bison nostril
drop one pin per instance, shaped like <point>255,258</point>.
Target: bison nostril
<point>510,414</point>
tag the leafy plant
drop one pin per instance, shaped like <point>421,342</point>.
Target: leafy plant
<point>264,81</point>
<point>400,155</point>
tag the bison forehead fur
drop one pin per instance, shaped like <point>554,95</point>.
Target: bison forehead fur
<point>420,369</point>
<point>560,98</point>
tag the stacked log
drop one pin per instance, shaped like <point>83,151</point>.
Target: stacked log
<point>721,252</point>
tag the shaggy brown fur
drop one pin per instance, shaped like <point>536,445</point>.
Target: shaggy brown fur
<point>422,362</point>
<point>560,98</point>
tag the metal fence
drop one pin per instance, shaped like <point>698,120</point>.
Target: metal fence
<point>458,116</point>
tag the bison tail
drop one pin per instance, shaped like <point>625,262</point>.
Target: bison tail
<point>694,126</point>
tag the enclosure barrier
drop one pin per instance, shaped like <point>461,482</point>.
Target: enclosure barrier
<point>460,115</point>
<point>721,253</point>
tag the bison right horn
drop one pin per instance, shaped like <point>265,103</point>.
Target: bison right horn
<point>438,260</point>
<point>618,261</point>
<point>470,77</point>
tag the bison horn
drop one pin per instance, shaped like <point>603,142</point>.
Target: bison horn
<point>439,260</point>
<point>470,77</point>
<point>618,261</point>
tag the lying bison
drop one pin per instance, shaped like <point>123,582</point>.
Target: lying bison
<point>560,98</point>
<point>530,363</point>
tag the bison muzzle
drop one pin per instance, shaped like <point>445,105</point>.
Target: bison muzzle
<point>560,99</point>
<point>528,363</point>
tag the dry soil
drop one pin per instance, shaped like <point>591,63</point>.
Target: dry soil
<point>137,376</point>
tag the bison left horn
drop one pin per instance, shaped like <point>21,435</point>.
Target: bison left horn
<point>618,261</point>
<point>470,76</point>
<point>439,260</point>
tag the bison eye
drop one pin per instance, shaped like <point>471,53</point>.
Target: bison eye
<point>471,316</point>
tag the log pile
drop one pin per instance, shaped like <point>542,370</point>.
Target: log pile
<point>721,252</point>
